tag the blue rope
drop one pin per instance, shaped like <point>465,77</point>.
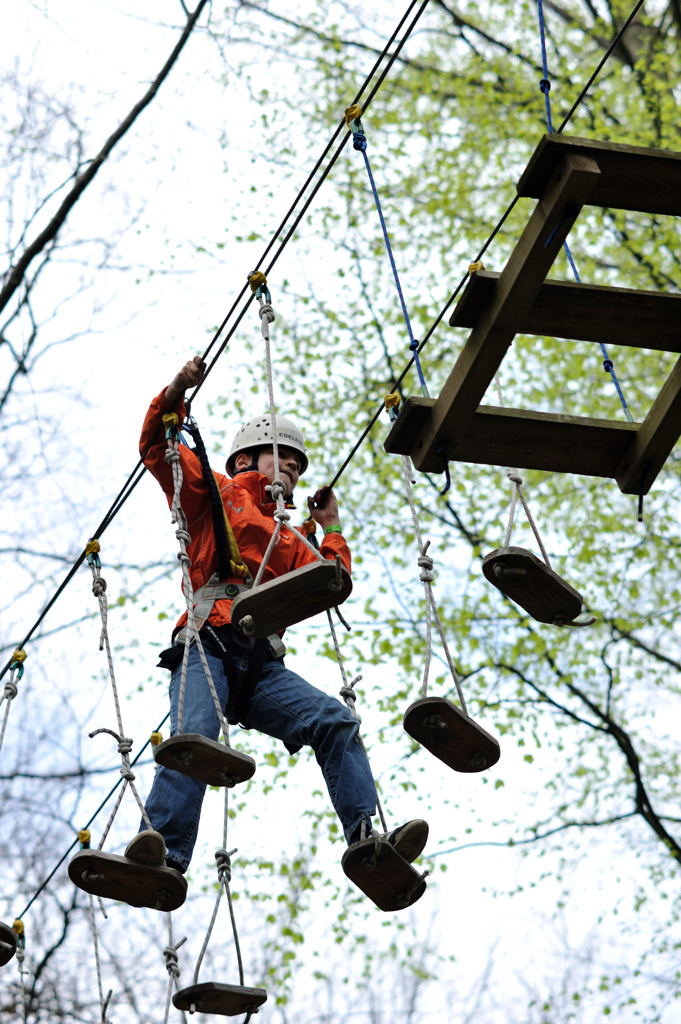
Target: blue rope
<point>545,86</point>
<point>359,142</point>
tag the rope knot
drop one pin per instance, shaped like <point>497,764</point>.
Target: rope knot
<point>183,534</point>
<point>425,563</point>
<point>608,365</point>
<point>184,558</point>
<point>171,456</point>
<point>359,142</point>
<point>348,694</point>
<point>277,490</point>
<point>545,85</point>
<point>172,966</point>
<point>515,478</point>
<point>124,745</point>
<point>98,586</point>
<point>267,313</point>
<point>282,517</point>
<point>224,865</point>
<point>11,690</point>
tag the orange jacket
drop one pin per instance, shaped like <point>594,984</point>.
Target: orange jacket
<point>250,512</point>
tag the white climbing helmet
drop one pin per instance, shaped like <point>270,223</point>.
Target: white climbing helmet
<point>258,432</point>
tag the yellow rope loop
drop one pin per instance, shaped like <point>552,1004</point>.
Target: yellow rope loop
<point>18,927</point>
<point>156,738</point>
<point>473,267</point>
<point>257,280</point>
<point>18,657</point>
<point>84,838</point>
<point>352,113</point>
<point>239,569</point>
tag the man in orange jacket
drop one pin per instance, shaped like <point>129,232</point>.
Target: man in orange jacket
<point>253,684</point>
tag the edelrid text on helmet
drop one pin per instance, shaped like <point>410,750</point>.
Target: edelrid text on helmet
<point>258,432</point>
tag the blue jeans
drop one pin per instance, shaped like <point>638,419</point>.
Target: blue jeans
<point>283,705</point>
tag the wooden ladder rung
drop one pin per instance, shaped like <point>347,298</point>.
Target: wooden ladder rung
<point>274,606</point>
<point>449,734</point>
<point>585,312</point>
<point>214,997</point>
<point>204,759</point>
<point>631,178</point>
<point>529,582</point>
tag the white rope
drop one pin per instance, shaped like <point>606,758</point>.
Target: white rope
<point>172,456</point>
<point>9,693</point>
<point>348,694</point>
<point>103,1002</point>
<point>124,742</point>
<point>426,576</point>
<point>172,967</point>
<point>267,316</point>
<point>23,972</point>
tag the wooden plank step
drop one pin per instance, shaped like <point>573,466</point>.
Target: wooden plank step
<point>8,943</point>
<point>632,177</point>
<point>389,880</point>
<point>213,997</point>
<point>449,734</point>
<point>211,762</point>
<point>117,878</point>
<point>272,607</point>
<point>529,440</point>
<point>530,582</point>
<point>585,312</point>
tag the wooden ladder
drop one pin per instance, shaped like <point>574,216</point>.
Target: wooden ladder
<point>564,174</point>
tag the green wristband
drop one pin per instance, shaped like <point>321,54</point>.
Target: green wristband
<point>337,528</point>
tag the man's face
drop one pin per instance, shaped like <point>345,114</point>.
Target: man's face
<point>289,466</point>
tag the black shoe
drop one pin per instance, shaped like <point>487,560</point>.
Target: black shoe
<point>147,847</point>
<point>409,839</point>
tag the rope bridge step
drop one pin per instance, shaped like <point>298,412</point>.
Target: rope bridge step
<point>211,762</point>
<point>529,582</point>
<point>213,997</point>
<point>389,880</point>
<point>8,943</point>
<point>274,606</point>
<point>449,734</point>
<point>117,878</point>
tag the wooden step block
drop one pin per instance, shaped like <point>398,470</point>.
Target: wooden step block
<point>529,582</point>
<point>213,997</point>
<point>8,943</point>
<point>444,730</point>
<point>585,312</point>
<point>117,878</point>
<point>297,595</point>
<point>389,880</point>
<point>211,762</point>
<point>631,178</point>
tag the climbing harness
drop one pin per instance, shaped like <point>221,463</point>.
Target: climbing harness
<point>215,997</point>
<point>16,670</point>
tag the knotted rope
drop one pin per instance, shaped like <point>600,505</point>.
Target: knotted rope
<point>172,966</point>
<point>191,633</point>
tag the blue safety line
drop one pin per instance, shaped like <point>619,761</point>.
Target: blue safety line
<point>359,142</point>
<point>545,86</point>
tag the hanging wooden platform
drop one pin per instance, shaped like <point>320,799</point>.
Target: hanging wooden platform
<point>529,582</point>
<point>226,1000</point>
<point>449,734</point>
<point>8,943</point>
<point>117,878</point>
<point>389,880</point>
<point>565,174</point>
<point>211,762</point>
<point>272,607</point>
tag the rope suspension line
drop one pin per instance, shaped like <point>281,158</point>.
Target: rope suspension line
<point>16,667</point>
<point>545,86</point>
<point>353,120</point>
<point>172,966</point>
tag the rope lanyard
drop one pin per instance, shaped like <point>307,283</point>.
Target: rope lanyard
<point>359,142</point>
<point>545,86</point>
<point>16,668</point>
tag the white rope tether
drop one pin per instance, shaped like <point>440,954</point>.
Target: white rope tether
<point>425,563</point>
<point>11,687</point>
<point>191,633</point>
<point>103,1000</point>
<point>172,966</point>
<point>278,489</point>
<point>347,692</point>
